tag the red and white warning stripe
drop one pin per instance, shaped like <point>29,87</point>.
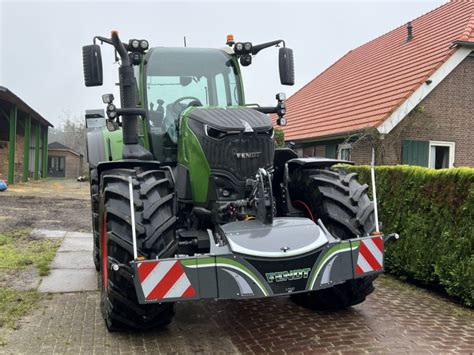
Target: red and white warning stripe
<point>164,279</point>
<point>370,255</point>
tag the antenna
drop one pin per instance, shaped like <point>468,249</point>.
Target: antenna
<point>184,38</point>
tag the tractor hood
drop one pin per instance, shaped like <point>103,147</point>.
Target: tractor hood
<point>236,141</point>
<point>232,119</point>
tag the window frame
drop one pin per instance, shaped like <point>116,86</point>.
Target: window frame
<point>450,145</point>
<point>344,146</point>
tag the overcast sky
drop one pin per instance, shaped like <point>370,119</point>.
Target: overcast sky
<point>40,42</point>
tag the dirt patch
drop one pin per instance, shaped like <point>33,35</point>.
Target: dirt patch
<point>57,188</point>
<point>45,213</point>
<point>20,280</point>
<point>46,204</point>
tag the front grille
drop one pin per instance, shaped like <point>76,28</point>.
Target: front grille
<point>222,153</point>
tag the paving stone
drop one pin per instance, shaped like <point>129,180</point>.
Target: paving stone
<point>78,235</point>
<point>76,244</point>
<point>73,260</point>
<point>396,318</point>
<point>69,280</point>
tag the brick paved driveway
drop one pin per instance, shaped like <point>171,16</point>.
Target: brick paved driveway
<point>395,318</point>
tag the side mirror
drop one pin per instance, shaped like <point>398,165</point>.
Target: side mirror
<point>92,64</point>
<point>287,66</point>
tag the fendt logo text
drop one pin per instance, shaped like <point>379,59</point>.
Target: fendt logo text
<point>247,155</point>
<point>281,276</point>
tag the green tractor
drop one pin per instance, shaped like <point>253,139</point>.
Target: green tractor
<point>191,200</point>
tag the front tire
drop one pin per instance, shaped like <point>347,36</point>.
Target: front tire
<point>155,218</point>
<point>345,209</point>
<point>94,189</point>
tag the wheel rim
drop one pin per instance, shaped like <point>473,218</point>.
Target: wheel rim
<point>104,252</point>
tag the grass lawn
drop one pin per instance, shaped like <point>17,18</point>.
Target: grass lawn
<point>20,253</point>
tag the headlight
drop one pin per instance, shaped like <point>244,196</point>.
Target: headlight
<point>248,46</point>
<point>214,133</point>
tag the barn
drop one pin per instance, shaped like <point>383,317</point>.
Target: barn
<point>23,140</point>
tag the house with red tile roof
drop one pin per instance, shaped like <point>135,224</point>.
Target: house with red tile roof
<point>409,94</point>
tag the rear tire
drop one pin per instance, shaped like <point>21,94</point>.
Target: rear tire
<point>155,218</point>
<point>345,209</point>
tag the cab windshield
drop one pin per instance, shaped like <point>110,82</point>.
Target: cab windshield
<point>177,78</point>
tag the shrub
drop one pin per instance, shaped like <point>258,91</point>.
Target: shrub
<point>279,137</point>
<point>433,211</point>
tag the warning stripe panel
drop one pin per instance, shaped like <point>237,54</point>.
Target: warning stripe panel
<point>160,271</point>
<point>374,250</point>
<point>378,243</point>
<point>164,279</point>
<point>144,270</point>
<point>370,256</point>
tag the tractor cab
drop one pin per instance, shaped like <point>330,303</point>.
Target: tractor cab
<point>175,79</point>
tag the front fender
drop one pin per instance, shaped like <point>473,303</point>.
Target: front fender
<point>127,164</point>
<point>316,162</point>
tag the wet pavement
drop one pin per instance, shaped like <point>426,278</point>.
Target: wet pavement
<point>396,318</point>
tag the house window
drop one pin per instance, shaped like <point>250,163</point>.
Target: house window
<point>331,150</point>
<point>56,166</point>
<point>432,154</point>
<point>344,151</point>
<point>441,155</point>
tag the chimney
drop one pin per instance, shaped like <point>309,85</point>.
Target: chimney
<point>409,32</point>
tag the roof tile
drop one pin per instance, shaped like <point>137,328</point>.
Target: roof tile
<point>362,88</point>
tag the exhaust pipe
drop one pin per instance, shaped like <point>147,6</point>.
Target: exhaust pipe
<point>128,100</point>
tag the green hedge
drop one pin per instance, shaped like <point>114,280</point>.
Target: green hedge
<point>433,211</point>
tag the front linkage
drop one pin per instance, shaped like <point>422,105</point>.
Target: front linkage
<point>223,274</point>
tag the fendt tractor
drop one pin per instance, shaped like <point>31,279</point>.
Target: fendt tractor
<point>191,200</point>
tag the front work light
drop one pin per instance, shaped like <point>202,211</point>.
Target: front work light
<point>107,98</point>
<point>246,60</point>
<point>134,43</point>
<point>281,96</point>
<point>239,47</point>
<point>144,44</point>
